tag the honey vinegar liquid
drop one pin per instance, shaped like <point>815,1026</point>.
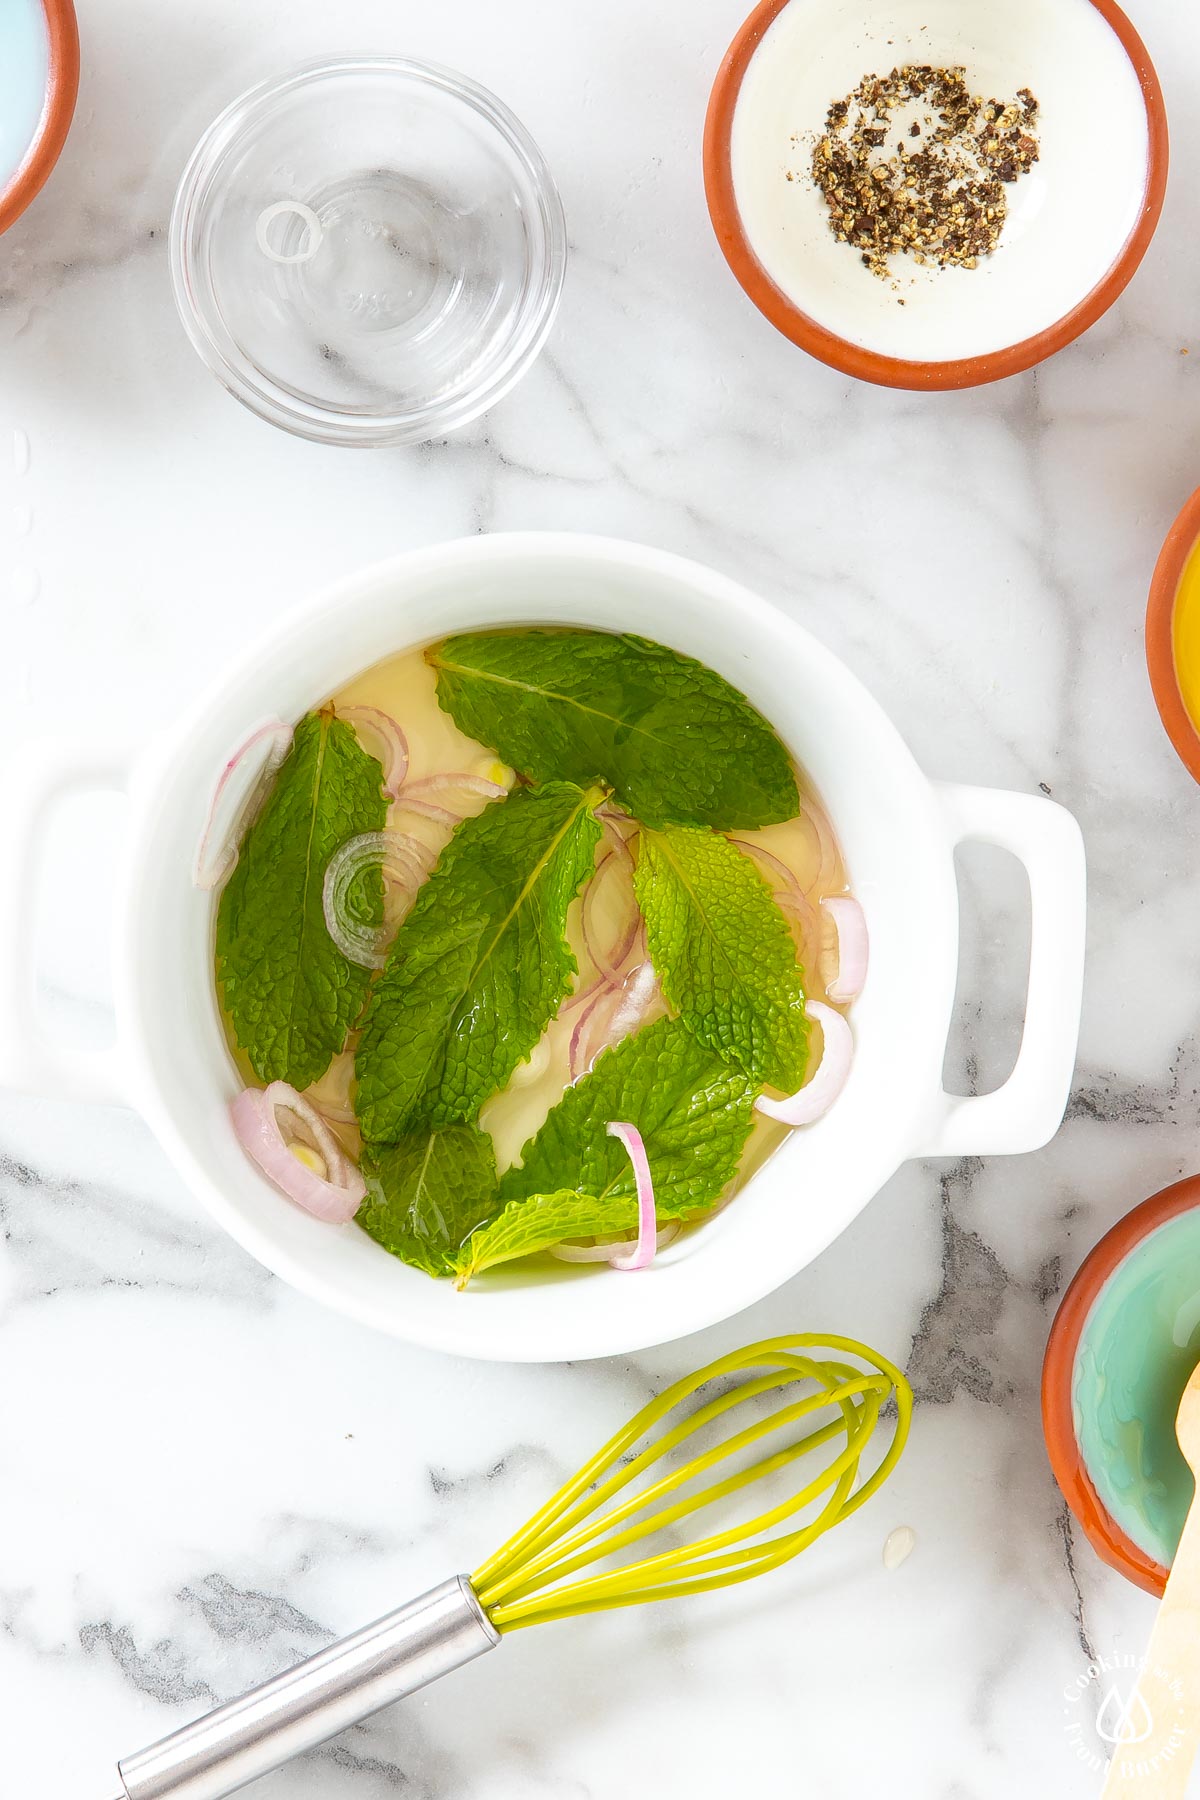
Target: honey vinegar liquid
<point>404,686</point>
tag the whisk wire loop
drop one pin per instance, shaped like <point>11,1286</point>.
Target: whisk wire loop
<point>581,1496</point>
<point>574,1551</point>
<point>672,1564</point>
<point>526,1581</point>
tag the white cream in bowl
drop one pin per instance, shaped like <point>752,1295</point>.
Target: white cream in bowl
<point>1068,219</point>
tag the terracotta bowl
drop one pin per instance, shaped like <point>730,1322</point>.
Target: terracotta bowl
<point>62,86</point>
<point>1106,1537</point>
<point>1064,256</point>
<point>1182,539</point>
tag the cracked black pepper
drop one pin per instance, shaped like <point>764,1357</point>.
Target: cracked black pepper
<point>914,164</point>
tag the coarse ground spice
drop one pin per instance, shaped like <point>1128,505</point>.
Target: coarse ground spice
<point>913,164</point>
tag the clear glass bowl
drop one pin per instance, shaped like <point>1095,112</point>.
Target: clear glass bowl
<point>368,251</point>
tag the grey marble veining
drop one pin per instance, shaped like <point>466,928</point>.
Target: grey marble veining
<point>203,1476</point>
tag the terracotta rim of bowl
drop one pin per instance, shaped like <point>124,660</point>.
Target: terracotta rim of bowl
<point>1182,540</point>
<point>62,87</point>
<point>1106,1537</point>
<point>871,365</point>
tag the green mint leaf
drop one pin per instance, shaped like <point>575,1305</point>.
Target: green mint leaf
<point>479,966</point>
<point>723,953</point>
<point>428,1193</point>
<point>290,993</point>
<point>677,743</point>
<point>694,1113</point>
<point>693,1110</point>
<point>527,1226</point>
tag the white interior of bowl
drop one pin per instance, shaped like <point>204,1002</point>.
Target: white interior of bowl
<point>1068,219</point>
<point>901,868</point>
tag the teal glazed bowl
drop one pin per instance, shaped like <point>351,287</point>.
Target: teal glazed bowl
<point>1091,1305</point>
<point>39,82</point>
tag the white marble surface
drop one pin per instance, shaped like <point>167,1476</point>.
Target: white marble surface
<point>201,1474</point>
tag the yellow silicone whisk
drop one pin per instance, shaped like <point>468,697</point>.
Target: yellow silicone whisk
<point>800,1412</point>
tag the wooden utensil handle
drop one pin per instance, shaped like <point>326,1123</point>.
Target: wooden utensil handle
<point>1158,1764</point>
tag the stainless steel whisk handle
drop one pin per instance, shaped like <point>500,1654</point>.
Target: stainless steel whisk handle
<point>311,1703</point>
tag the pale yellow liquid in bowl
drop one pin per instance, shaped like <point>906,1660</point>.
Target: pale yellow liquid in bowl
<point>405,687</point>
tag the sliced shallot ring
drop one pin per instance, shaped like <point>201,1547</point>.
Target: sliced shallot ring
<point>240,790</point>
<point>608,962</point>
<point>600,983</point>
<point>640,1255</point>
<point>594,1253</point>
<point>621,825</point>
<point>414,797</point>
<point>853,947</point>
<point>826,844</point>
<point>406,802</point>
<point>591,990</point>
<point>817,1096</point>
<point>597,984</point>
<point>618,842</point>
<point>774,866</point>
<point>370,721</point>
<point>281,1096</point>
<point>403,858</point>
<point>463,782</point>
<point>629,1001</point>
<point>578,1061</point>
<point>334,1197</point>
<point>797,906</point>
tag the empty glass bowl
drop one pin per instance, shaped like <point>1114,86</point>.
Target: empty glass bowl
<point>368,251</point>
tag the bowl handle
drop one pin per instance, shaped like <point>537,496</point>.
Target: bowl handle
<point>34,783</point>
<point>1026,1112</point>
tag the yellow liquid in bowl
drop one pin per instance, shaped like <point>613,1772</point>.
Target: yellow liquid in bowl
<point>1185,636</point>
<point>404,686</point>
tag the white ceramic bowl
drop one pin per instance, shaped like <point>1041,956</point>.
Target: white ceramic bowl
<point>1078,224</point>
<point>899,833</point>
